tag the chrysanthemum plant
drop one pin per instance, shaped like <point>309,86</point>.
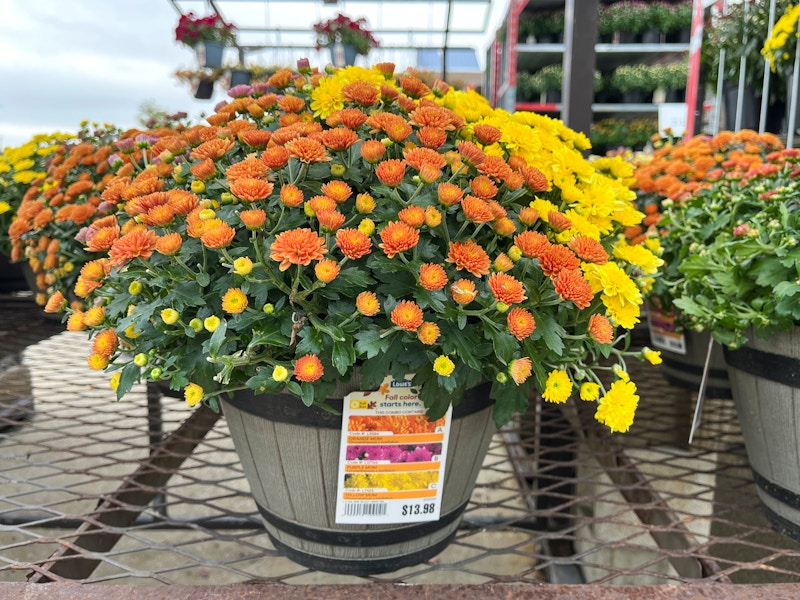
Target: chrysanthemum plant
<point>192,30</point>
<point>673,176</point>
<point>362,220</point>
<point>22,167</point>
<point>745,274</point>
<point>57,221</point>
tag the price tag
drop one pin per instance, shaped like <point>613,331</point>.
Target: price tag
<point>665,333</point>
<point>392,458</point>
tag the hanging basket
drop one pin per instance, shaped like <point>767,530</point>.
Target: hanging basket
<point>203,90</point>
<point>290,456</point>
<point>343,55</point>
<point>209,54</point>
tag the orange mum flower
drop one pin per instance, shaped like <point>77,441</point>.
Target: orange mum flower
<point>291,195</point>
<point>558,221</point>
<point>95,270</point>
<point>253,218</point>
<point>280,79</point>
<point>43,218</point>
<point>94,316</point>
<point>528,215</point>
<point>352,118</point>
<point>205,169</point>
<point>486,134</point>
<point>339,139</point>
<point>570,284</point>
<point>416,158</point>
<point>353,243</point>
<point>365,203</point>
<point>469,256</point>
<point>55,303</point>
<point>105,343</point>
<point>432,137</point>
<point>514,181</point>
<point>337,190</point>
<point>182,201</point>
<point>520,369</point>
<point>297,247</point>
<point>218,235</point>
<point>159,216</point>
<point>600,329</point>
<point>249,167</point>
<point>330,220</point>
<point>307,150</point>
<point>496,167</point>
<point>255,138</point>
<point>320,203</point>
<point>212,149</point>
<point>470,153</point>
<point>476,209</point>
<point>398,237</point>
<point>428,333</point>
<point>504,226</point>
<point>142,204</point>
<point>397,128</point>
<point>169,244</point>
<point>291,104</point>
<point>248,189</point>
<point>372,151</point>
<point>483,187</point>
<point>414,86</point>
<point>413,216</point>
<point>103,239</point>
<point>360,92</point>
<point>367,304</point>
<point>449,194</point>
<point>535,179</point>
<point>391,172</point>
<point>78,188</point>
<point>326,270</point>
<point>503,263</point>
<point>432,276</point>
<point>589,250</point>
<point>532,243</point>
<point>407,315</point>
<point>275,157</point>
<point>139,242</point>
<point>234,301</point>
<point>520,323</point>
<point>557,258</point>
<point>463,291</point>
<point>308,368</point>
<point>506,288</point>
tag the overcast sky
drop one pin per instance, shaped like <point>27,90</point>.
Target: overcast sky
<point>63,61</point>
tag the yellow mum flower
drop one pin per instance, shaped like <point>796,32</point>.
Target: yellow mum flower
<point>280,373</point>
<point>242,266</point>
<point>617,408</point>
<point>114,381</point>
<point>193,394</point>
<point>638,256</point>
<point>558,387</point>
<point>211,323</point>
<point>444,366</point>
<point>234,301</point>
<point>652,356</point>
<point>590,391</point>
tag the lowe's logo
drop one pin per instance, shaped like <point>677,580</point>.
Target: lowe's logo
<point>401,384</point>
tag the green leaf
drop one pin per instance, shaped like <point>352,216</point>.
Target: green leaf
<point>272,337</point>
<point>462,343</point>
<point>509,399</point>
<point>550,331</point>
<point>203,279</point>
<point>217,339</point>
<point>769,272</point>
<point>356,278</point>
<point>130,375</point>
<point>343,355</point>
<point>370,343</point>
<point>505,344</point>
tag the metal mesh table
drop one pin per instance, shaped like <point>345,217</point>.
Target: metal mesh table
<point>558,499</point>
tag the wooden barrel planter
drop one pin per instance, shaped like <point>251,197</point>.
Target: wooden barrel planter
<point>686,370</point>
<point>765,380</point>
<point>290,456</point>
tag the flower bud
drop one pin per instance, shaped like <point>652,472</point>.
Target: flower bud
<point>211,323</point>
<point>337,170</point>
<point>514,253</point>
<point>140,360</point>
<point>135,288</point>
<point>501,307</point>
<point>269,308</point>
<point>196,324</point>
<point>198,187</point>
<point>280,373</point>
<point>170,316</point>
<point>501,377</point>
<point>207,214</point>
<point>228,198</point>
<point>367,227</point>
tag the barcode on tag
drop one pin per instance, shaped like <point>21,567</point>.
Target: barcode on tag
<point>357,509</point>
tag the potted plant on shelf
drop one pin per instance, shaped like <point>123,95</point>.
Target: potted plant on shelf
<point>634,82</point>
<point>207,36</point>
<point>297,256</point>
<point>677,22</point>
<point>780,48</point>
<point>345,37</point>
<point>627,20</point>
<point>741,285</point>
<point>541,27</point>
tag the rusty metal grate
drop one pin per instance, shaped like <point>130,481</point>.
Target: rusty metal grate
<point>558,500</point>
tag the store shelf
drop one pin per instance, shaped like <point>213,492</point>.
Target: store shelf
<point>532,57</point>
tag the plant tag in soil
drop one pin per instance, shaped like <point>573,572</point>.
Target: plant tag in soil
<point>392,458</point>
